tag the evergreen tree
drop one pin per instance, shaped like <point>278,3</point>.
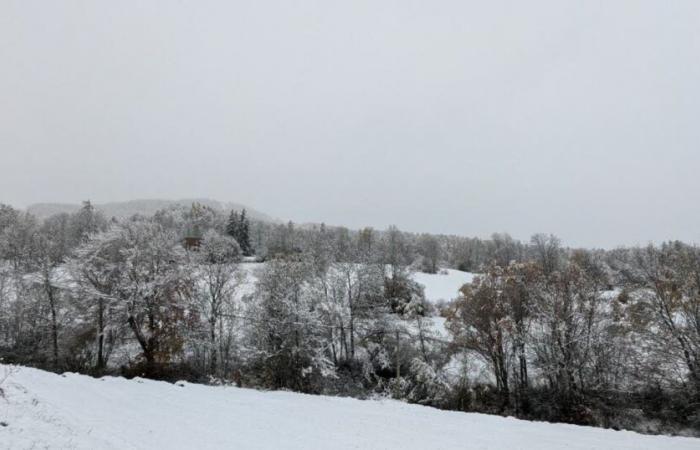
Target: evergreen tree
<point>232,225</point>
<point>243,237</point>
<point>86,221</point>
<point>238,227</point>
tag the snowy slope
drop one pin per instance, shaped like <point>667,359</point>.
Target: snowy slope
<point>443,286</point>
<point>44,410</point>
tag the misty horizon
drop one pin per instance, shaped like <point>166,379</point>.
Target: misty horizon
<point>269,216</point>
<point>574,119</point>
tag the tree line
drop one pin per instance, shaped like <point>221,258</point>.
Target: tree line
<point>607,338</point>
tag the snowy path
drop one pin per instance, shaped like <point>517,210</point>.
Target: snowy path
<point>43,410</point>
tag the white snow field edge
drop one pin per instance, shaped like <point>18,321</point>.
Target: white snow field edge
<point>444,285</point>
<point>45,410</point>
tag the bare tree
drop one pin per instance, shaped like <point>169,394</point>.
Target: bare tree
<point>547,252</point>
<point>478,322</point>
<point>665,284</point>
<point>429,248</point>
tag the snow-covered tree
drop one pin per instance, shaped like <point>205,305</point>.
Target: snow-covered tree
<point>97,267</point>
<point>141,268</point>
<point>479,322</point>
<point>568,315</point>
<point>664,293</point>
<point>286,335</point>
<point>238,227</point>
<point>430,251</point>
<point>219,277</point>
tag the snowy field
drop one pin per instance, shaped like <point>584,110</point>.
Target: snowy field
<point>443,285</point>
<point>44,410</point>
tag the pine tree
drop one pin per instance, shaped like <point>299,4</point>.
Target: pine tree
<point>86,221</point>
<point>238,227</point>
<point>244,234</point>
<point>232,225</point>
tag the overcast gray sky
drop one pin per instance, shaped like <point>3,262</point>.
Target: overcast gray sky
<point>579,118</point>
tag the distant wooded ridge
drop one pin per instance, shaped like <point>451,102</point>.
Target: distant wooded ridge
<point>146,207</point>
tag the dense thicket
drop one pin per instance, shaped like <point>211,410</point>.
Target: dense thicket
<point>608,338</point>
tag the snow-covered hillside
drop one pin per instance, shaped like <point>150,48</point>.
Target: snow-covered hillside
<point>443,285</point>
<point>44,410</point>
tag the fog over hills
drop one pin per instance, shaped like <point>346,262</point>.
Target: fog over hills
<point>142,206</point>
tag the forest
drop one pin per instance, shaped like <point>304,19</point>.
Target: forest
<point>607,338</point>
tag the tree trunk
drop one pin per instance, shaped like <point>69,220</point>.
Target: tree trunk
<point>524,403</point>
<point>351,305</point>
<point>421,337</point>
<point>145,347</point>
<point>54,323</point>
<point>100,335</point>
<point>398,355</point>
<point>333,350</point>
<point>344,340</point>
<point>212,337</point>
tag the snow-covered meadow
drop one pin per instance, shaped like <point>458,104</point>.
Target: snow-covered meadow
<point>45,410</point>
<point>443,285</point>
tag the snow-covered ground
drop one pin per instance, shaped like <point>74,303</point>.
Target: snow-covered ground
<point>44,410</point>
<point>443,285</point>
